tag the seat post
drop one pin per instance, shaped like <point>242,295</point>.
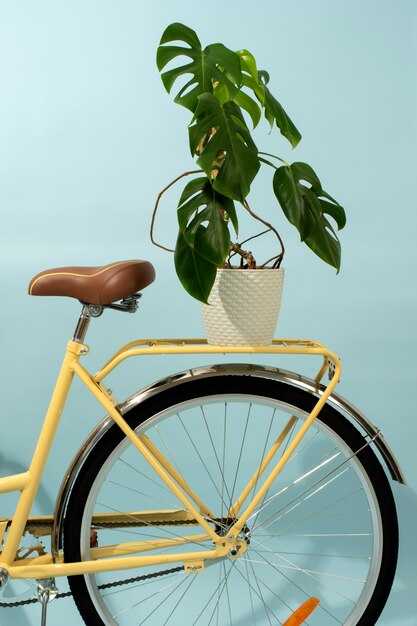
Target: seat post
<point>82,325</point>
<point>87,312</point>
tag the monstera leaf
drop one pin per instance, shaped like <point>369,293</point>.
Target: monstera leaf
<point>217,69</point>
<point>196,274</point>
<point>250,82</point>
<point>323,239</point>
<point>306,208</point>
<point>231,137</point>
<point>204,241</point>
<point>274,112</point>
<point>205,66</point>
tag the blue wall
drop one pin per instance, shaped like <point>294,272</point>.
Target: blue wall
<point>88,136</point>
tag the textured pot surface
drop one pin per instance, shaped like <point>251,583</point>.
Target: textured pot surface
<point>244,307</point>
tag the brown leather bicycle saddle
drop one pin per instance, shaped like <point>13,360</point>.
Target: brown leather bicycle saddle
<point>94,285</point>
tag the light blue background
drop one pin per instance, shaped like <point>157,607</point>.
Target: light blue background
<point>88,137</point>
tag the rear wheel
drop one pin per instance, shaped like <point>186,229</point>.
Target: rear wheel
<point>327,527</point>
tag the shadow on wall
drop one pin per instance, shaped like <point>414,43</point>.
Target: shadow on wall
<point>16,617</point>
<point>9,467</point>
<point>403,593</point>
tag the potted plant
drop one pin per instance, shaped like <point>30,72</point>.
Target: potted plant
<point>225,94</point>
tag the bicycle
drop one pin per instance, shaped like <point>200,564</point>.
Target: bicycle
<point>237,492</point>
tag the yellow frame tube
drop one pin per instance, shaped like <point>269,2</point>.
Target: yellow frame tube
<point>200,346</point>
<point>237,527</point>
<point>177,477</point>
<point>233,511</point>
<point>28,482</point>
<point>133,547</point>
<point>110,565</point>
<point>41,453</point>
<point>122,549</point>
<point>16,482</point>
<point>105,400</point>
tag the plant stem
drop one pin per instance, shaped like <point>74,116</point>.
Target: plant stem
<point>274,157</point>
<point>267,162</point>
<point>280,256</point>
<point>158,198</point>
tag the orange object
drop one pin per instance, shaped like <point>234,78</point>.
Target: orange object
<point>302,612</point>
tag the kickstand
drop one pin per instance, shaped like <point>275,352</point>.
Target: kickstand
<point>47,591</point>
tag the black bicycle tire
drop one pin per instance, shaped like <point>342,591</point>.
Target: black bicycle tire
<point>242,384</point>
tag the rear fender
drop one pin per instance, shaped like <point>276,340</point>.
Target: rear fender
<point>368,429</point>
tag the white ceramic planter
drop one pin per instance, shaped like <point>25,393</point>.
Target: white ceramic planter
<point>243,307</point>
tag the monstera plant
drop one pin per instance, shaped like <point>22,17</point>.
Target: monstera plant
<point>227,96</point>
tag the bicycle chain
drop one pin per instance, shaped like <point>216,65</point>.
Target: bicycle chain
<point>116,583</point>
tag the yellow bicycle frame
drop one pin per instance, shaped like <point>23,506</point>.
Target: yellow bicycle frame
<point>103,558</point>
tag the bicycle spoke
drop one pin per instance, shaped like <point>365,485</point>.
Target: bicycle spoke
<point>165,599</point>
<point>218,598</point>
<point>286,444</point>
<point>239,459</point>
<point>219,595</point>
<point>203,462</point>
<point>250,593</point>
<point>142,493</point>
<point>224,483</point>
<point>315,515</point>
<point>281,600</point>
<point>267,500</point>
<point>224,580</point>
<point>290,580</point>
<point>160,485</point>
<point>259,589</point>
<point>227,593</point>
<point>223,504</point>
<point>304,571</point>
<point>167,448</point>
<point>272,498</point>
<point>161,528</point>
<point>315,532</point>
<point>266,607</point>
<point>192,580</point>
<point>267,437</point>
<point>322,555</point>
<point>141,585</point>
<point>176,584</point>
